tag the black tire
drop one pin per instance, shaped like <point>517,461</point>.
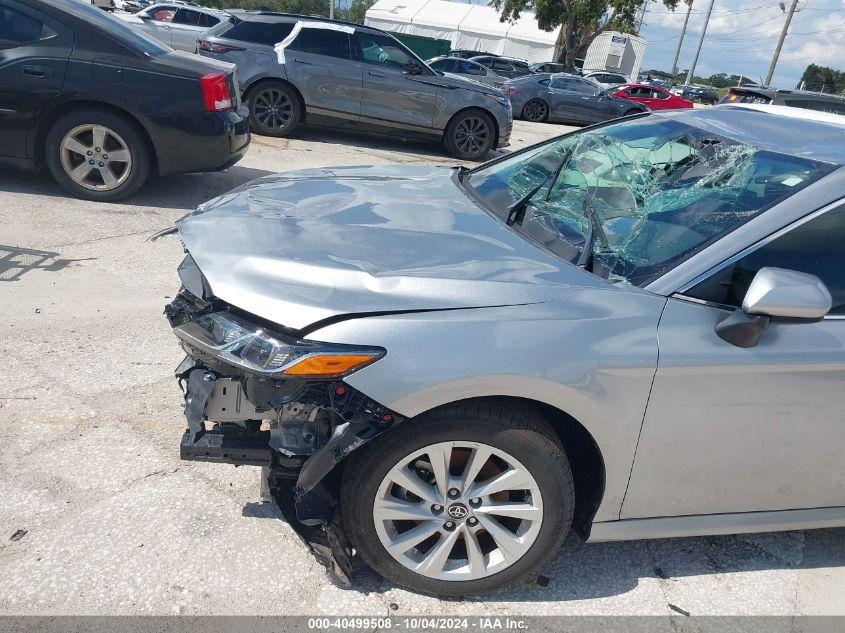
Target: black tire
<point>536,110</point>
<point>263,119</point>
<point>470,135</point>
<point>138,170</point>
<point>519,433</point>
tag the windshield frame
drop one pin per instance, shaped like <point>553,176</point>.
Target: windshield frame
<point>654,284</point>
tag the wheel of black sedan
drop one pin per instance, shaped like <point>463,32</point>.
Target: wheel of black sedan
<point>97,154</point>
<point>274,109</point>
<point>470,135</point>
<point>535,110</point>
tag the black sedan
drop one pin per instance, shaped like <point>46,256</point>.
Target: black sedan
<point>566,98</point>
<point>103,107</point>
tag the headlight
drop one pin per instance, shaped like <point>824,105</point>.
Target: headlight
<point>259,350</point>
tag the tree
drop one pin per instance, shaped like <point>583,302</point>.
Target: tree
<point>823,79</point>
<point>582,20</point>
<point>355,11</point>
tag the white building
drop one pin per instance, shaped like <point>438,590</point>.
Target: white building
<point>469,26</point>
<point>615,52</point>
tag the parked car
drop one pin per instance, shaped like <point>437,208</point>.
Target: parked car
<point>105,5</point>
<point>504,66</point>
<point>631,331</point>
<point>468,54</point>
<point>821,101</point>
<point>177,24</point>
<point>547,67</point>
<point>700,94</point>
<point>606,79</point>
<point>357,75</point>
<point>103,107</point>
<point>468,69</point>
<point>563,97</point>
<point>652,96</point>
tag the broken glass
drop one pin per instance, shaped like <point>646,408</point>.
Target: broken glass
<point>654,190</point>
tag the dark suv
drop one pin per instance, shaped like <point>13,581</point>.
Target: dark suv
<point>806,99</point>
<point>294,67</point>
<point>103,107</point>
<point>504,66</point>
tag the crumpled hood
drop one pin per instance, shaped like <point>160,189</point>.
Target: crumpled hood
<point>296,248</point>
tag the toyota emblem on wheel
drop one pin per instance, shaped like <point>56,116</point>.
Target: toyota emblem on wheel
<point>457,511</point>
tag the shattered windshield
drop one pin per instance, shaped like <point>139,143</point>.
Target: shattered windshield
<point>631,200</point>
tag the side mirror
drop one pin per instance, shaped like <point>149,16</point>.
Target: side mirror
<point>412,67</point>
<point>775,293</point>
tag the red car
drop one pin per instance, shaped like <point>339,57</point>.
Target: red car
<point>654,97</point>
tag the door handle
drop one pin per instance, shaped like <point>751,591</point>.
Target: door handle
<point>300,61</point>
<point>372,74</point>
<point>35,71</point>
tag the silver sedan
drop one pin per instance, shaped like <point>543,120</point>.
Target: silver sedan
<point>636,330</point>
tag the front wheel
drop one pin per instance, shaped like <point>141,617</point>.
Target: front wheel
<point>470,135</point>
<point>464,500</point>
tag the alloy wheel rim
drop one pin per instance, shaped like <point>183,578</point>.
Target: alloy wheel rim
<point>535,110</point>
<point>472,135</point>
<point>273,109</point>
<point>458,511</point>
<point>95,157</point>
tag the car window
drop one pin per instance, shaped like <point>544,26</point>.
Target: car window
<point>443,65</point>
<point>207,21</point>
<point>826,106</point>
<point>268,33</point>
<point>585,87</point>
<point>322,42</point>
<point>653,190</point>
<point>498,64</point>
<point>544,82</point>
<point>562,83</point>
<point>187,16</point>
<point>659,94</point>
<point>163,14</point>
<point>380,49</point>
<point>17,28</point>
<point>639,92</point>
<point>468,68</point>
<point>813,247</point>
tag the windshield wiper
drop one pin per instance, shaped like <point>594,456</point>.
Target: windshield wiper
<point>516,211</point>
<point>594,229</point>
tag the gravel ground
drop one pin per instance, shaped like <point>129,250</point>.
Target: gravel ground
<point>114,523</point>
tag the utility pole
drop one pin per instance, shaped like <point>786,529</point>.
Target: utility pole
<point>780,41</point>
<point>641,18</point>
<point>681,41</point>
<point>331,9</point>
<point>691,72</point>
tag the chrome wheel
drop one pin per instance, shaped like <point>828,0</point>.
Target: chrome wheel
<point>458,511</point>
<point>95,157</point>
<point>535,110</point>
<point>472,135</point>
<point>273,109</point>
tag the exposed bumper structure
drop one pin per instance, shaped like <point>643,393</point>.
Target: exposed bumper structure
<point>297,429</point>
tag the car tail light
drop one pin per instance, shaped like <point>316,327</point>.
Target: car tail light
<point>211,47</point>
<point>216,93</point>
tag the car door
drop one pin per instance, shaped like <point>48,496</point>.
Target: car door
<point>187,26</point>
<point>594,103</point>
<point>731,429</point>
<point>158,20</point>
<point>565,102</point>
<point>390,96</point>
<point>319,63</point>
<point>34,52</point>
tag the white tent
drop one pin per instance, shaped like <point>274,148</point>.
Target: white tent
<point>469,26</point>
<point>438,18</point>
<point>393,15</point>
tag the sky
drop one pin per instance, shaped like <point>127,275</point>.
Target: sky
<point>742,35</point>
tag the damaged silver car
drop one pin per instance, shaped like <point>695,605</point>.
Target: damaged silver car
<point>636,330</point>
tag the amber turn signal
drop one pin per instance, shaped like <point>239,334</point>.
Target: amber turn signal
<point>329,365</point>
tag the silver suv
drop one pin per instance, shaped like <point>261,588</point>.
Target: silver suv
<point>292,67</point>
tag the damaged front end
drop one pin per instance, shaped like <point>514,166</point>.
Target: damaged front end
<point>258,395</point>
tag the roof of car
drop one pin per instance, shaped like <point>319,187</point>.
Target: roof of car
<point>810,134</point>
<point>273,16</point>
<point>773,92</point>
